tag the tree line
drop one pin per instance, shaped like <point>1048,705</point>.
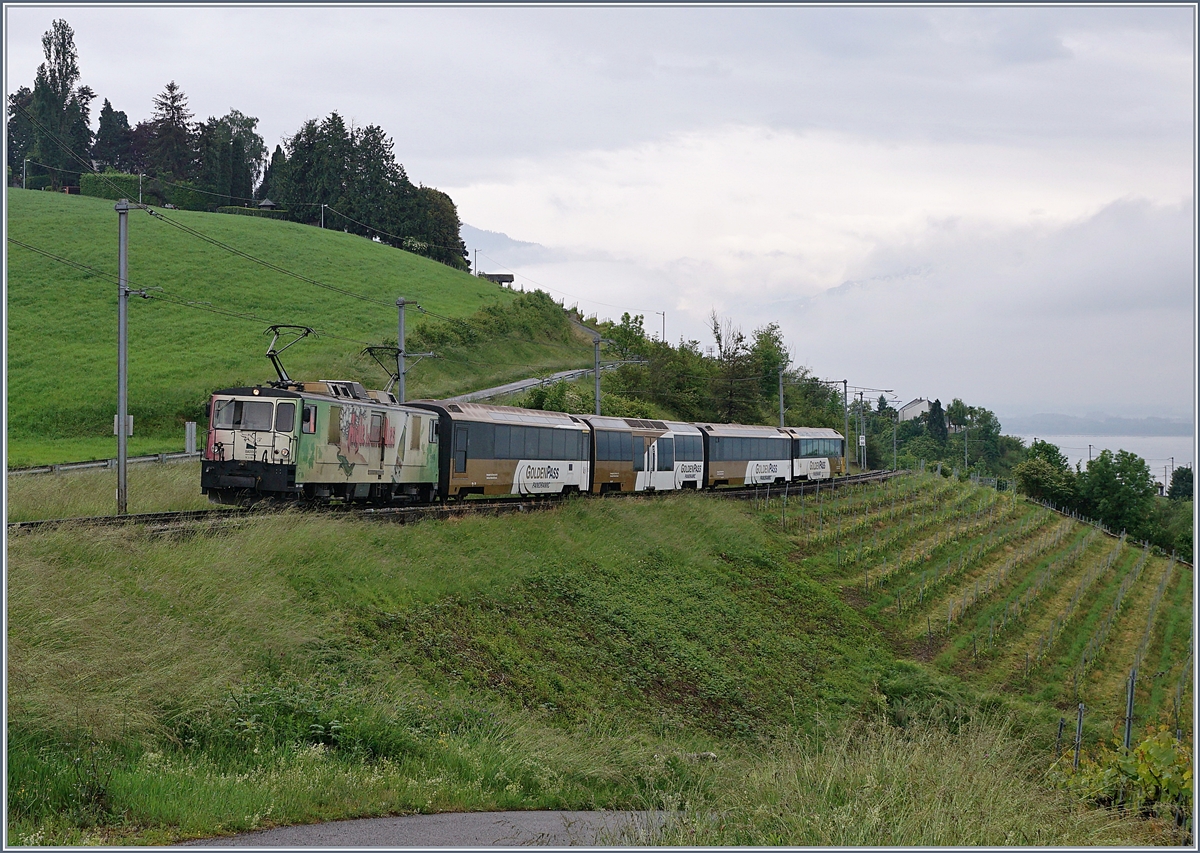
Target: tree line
<point>737,382</point>
<point>349,173</point>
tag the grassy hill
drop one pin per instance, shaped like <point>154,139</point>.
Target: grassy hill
<point>62,337</point>
<point>852,674</point>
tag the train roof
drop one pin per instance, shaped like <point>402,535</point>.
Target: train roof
<point>742,430</point>
<point>499,414</point>
<point>331,389</point>
<point>640,425</point>
<point>813,432</point>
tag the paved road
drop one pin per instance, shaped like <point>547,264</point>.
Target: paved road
<point>471,829</point>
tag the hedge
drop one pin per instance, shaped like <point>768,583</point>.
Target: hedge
<point>117,185</point>
<point>254,211</point>
<point>114,185</point>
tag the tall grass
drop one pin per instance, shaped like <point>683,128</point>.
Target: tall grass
<point>153,487</point>
<point>868,784</point>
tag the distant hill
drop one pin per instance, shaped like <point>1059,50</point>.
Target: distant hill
<point>1055,424</point>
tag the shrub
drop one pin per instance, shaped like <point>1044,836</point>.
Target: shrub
<point>1155,777</point>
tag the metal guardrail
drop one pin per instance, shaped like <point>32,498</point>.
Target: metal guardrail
<point>63,467</point>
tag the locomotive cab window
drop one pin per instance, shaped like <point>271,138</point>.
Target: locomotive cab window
<point>308,422</point>
<point>243,414</point>
<point>285,417</point>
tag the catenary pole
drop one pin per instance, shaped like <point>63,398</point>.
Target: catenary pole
<point>122,209</point>
<point>400,303</point>
<point>781,395</point>
<point>597,345</point>
<point>846,432</point>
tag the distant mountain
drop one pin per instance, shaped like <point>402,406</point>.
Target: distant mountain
<point>1055,424</point>
<point>498,251</point>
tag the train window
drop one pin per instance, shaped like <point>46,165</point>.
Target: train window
<point>223,415</point>
<point>560,444</point>
<point>638,453</point>
<point>285,417</point>
<point>308,423</point>
<point>608,446</point>
<point>244,414</point>
<point>482,440</point>
<point>500,448</point>
<point>432,430</point>
<point>688,448</point>
<point>666,454</point>
<point>333,433</point>
<point>414,438</point>
<point>374,436</point>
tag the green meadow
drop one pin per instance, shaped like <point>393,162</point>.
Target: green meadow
<point>62,321</point>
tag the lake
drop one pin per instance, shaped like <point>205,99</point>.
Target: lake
<point>1157,450</point>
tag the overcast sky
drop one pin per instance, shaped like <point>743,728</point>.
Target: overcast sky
<point>991,203</point>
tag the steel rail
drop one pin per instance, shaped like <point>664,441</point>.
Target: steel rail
<point>163,521</point>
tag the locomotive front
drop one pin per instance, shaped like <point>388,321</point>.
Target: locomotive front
<point>251,447</point>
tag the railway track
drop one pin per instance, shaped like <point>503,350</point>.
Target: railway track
<point>213,519</point>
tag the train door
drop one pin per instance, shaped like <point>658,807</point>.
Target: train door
<point>641,453</point>
<point>459,464</point>
<point>664,464</point>
<point>374,447</point>
<point>284,450</point>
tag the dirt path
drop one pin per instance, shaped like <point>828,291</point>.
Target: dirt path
<point>471,829</point>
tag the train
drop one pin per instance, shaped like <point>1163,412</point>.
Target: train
<point>336,441</point>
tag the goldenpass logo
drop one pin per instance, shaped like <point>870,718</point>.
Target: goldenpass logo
<point>546,472</point>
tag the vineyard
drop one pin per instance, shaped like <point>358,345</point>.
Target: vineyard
<point>1007,596</point>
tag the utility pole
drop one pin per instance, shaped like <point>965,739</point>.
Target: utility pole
<point>476,263</point>
<point>846,429</point>
<point>664,316</point>
<point>122,209</point>
<point>596,342</point>
<point>400,303</point>
<point>140,176</point>
<point>24,168</point>
<point>895,425</point>
<point>965,466</point>
<point>401,310</point>
<point>781,395</point>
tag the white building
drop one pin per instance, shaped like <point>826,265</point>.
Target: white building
<point>914,410</point>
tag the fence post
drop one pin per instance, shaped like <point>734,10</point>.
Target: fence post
<point>1078,735</point>
<point>189,437</point>
<point>1129,707</point>
<point>1062,722</point>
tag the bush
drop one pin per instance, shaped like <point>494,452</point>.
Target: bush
<point>1155,777</point>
